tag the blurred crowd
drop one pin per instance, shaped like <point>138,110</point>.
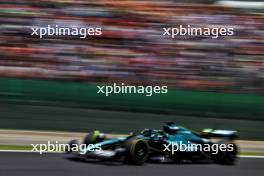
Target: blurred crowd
<point>132,48</point>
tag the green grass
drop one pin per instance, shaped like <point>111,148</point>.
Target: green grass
<point>252,153</point>
<point>15,147</point>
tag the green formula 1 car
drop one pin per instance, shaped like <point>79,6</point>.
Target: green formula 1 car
<point>171,144</point>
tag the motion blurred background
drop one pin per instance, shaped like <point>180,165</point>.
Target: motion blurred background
<point>50,83</point>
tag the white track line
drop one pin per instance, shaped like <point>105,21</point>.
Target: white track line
<point>250,156</point>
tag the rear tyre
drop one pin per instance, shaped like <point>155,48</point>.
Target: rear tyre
<point>227,157</point>
<point>89,139</point>
<point>72,144</point>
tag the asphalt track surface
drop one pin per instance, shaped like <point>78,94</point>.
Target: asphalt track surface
<point>34,164</point>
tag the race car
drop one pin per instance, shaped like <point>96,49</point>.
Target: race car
<point>151,145</point>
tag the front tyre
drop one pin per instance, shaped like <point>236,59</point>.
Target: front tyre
<point>138,152</point>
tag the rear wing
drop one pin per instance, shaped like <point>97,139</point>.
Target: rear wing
<point>220,133</point>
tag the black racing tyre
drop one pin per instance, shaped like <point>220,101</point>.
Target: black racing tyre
<point>71,144</point>
<point>176,159</point>
<point>138,151</point>
<point>227,157</point>
<point>89,139</point>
